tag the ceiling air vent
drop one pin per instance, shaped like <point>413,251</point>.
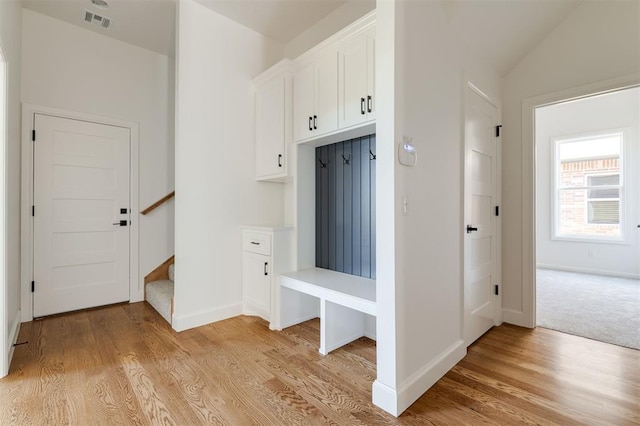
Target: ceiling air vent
<point>96,19</point>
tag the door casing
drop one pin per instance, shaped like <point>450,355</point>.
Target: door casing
<point>469,85</point>
<point>527,317</point>
<point>136,284</point>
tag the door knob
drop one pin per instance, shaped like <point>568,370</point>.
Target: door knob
<point>121,223</point>
<point>471,229</point>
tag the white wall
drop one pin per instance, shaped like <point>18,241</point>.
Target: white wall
<point>615,111</point>
<point>10,34</point>
<point>71,68</point>
<point>215,167</point>
<point>598,42</point>
<point>424,275</point>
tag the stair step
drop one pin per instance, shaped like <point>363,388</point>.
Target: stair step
<point>159,294</point>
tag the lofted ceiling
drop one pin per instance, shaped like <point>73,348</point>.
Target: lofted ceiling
<point>504,31</point>
<point>500,31</point>
<point>146,23</point>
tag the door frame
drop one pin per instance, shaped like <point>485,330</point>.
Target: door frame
<point>470,85</point>
<point>136,286</point>
<point>527,317</point>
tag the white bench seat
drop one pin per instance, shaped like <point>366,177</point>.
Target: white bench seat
<point>344,301</point>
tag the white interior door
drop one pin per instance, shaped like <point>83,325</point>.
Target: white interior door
<point>480,241</point>
<point>81,195</point>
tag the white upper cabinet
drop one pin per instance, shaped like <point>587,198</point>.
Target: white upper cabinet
<point>273,122</point>
<point>357,79</point>
<point>334,84</point>
<point>315,88</point>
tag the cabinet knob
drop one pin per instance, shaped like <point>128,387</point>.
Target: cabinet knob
<point>266,265</point>
<point>362,106</point>
<point>315,121</point>
<point>279,160</point>
<point>369,104</point>
<point>310,128</point>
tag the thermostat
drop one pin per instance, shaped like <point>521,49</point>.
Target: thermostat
<point>407,154</point>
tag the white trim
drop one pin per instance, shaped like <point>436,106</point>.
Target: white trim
<point>11,341</point>
<point>136,284</point>
<point>7,349</point>
<point>416,385</point>
<point>498,312</point>
<point>527,317</point>
<point>483,95</point>
<point>385,397</point>
<point>204,317</point>
<point>603,272</point>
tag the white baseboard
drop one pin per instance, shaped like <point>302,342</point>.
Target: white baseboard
<point>197,319</point>
<point>604,272</point>
<point>416,385</point>
<point>514,317</point>
<point>11,341</point>
<point>295,321</point>
<point>395,402</point>
<point>385,397</point>
<point>370,327</point>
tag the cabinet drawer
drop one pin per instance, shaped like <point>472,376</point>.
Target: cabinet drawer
<point>256,242</point>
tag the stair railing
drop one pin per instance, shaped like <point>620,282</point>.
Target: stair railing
<point>158,203</point>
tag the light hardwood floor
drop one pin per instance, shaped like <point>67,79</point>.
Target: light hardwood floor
<point>124,365</point>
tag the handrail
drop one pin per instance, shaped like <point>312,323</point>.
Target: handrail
<point>158,203</point>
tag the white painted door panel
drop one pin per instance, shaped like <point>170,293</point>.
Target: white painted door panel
<point>270,128</point>
<point>353,81</point>
<point>256,270</point>
<point>81,181</point>
<point>326,94</point>
<point>480,248</point>
<point>303,109</point>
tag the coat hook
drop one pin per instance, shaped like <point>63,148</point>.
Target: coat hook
<point>346,160</point>
<point>372,156</point>
<point>322,165</point>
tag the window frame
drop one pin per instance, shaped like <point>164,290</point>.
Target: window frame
<point>556,142</point>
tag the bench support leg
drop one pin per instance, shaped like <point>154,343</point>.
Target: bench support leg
<point>338,326</point>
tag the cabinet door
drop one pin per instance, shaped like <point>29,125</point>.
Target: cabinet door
<point>353,82</point>
<point>371,74</point>
<point>270,128</point>
<point>256,277</point>
<point>326,93</point>
<point>303,102</point>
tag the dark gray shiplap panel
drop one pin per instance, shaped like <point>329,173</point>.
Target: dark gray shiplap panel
<point>324,247</point>
<point>372,174</point>
<point>331,207</point>
<point>341,169</point>
<point>319,171</point>
<point>345,207</point>
<point>365,209</point>
<point>348,215</point>
<point>356,254</point>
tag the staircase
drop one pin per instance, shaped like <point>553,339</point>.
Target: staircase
<point>159,294</point>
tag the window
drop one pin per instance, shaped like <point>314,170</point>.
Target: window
<point>603,198</point>
<point>589,187</point>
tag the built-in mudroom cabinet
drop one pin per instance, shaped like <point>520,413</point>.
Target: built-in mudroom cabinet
<point>315,134</point>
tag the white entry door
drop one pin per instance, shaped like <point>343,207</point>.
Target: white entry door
<point>81,195</point>
<point>480,233</point>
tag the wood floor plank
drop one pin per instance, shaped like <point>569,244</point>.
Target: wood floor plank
<point>124,364</point>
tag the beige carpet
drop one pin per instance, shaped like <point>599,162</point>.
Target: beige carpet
<point>593,306</point>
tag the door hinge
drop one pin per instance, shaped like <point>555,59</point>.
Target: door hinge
<point>496,289</point>
<point>33,210</point>
<point>498,128</point>
<point>497,210</point>
<point>33,135</point>
<point>33,286</point>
